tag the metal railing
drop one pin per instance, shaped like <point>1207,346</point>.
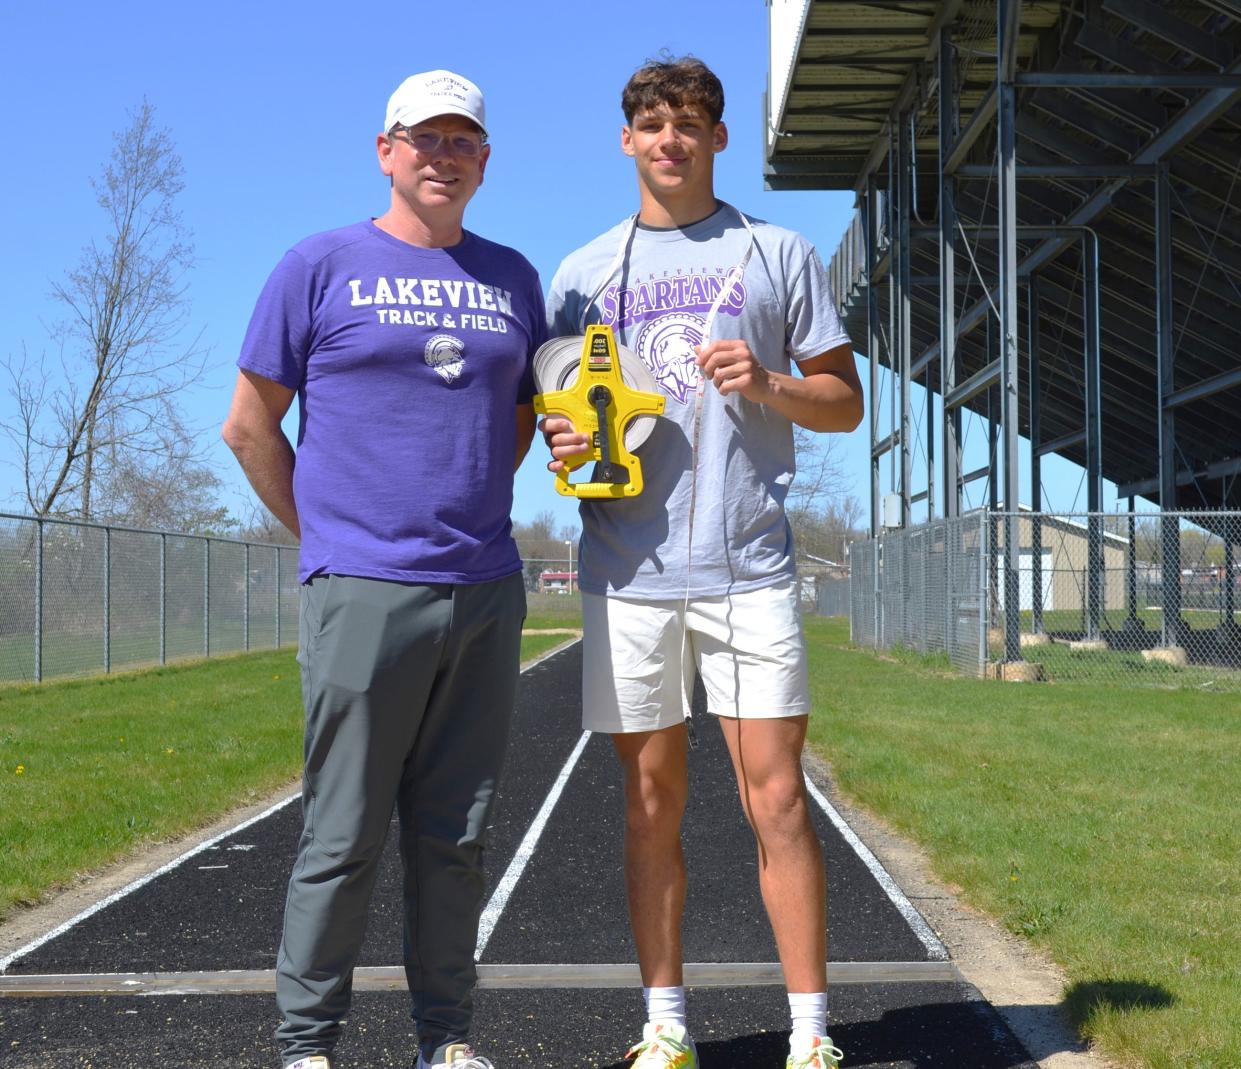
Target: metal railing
<point>82,598</point>
<point>1136,599</point>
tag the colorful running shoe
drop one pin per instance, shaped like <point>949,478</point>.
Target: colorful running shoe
<point>663,1046</point>
<point>455,1056</point>
<point>813,1052</point>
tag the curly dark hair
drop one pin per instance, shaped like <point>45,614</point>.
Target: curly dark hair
<point>678,83</point>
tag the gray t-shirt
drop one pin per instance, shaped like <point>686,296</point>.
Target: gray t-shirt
<point>639,547</point>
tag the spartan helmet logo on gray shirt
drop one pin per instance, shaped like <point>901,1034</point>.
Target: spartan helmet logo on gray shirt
<point>444,353</point>
<point>666,345</point>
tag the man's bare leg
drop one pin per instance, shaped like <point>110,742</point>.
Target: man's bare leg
<point>766,757</point>
<point>656,788</point>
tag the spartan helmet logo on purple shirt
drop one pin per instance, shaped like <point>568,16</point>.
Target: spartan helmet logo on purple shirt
<point>666,345</point>
<point>443,352</point>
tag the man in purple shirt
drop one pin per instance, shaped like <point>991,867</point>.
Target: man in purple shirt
<point>394,334</point>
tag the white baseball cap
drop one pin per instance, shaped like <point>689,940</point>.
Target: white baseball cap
<point>431,93</point>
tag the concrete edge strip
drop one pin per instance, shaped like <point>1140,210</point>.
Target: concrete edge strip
<point>499,897</point>
<point>142,881</point>
<point>935,948</point>
<point>537,976</point>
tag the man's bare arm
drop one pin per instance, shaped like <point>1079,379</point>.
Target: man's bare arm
<point>253,433</point>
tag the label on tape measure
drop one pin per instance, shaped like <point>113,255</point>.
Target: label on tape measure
<point>599,358</point>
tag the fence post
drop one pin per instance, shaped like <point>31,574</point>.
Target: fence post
<point>38,602</point>
<point>880,623</point>
<point>107,599</point>
<point>926,596</point>
<point>984,605</point>
<point>279,592</point>
<point>206,597</point>
<point>163,598</point>
<point>245,601</point>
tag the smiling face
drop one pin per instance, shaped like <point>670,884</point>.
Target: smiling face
<point>674,150</point>
<point>435,186</point>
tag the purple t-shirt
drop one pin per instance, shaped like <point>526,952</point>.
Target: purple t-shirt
<point>409,364</point>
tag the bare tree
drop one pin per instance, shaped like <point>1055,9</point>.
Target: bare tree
<point>822,512</point>
<point>107,415</point>
<point>260,525</point>
<point>162,487</point>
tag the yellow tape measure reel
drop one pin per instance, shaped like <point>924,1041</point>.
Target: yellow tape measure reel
<point>599,402</point>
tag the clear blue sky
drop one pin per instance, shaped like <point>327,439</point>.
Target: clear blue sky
<point>274,108</point>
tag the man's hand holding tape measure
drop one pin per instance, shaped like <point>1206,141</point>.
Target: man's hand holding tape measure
<point>601,403</point>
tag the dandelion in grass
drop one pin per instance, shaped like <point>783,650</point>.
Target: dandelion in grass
<point>20,770</point>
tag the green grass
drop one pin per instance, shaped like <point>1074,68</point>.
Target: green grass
<point>535,645</point>
<point>91,769</point>
<point>1098,822</point>
<point>1151,617</point>
<point>553,610</point>
<point>1126,667</point>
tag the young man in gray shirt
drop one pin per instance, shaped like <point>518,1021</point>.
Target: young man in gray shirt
<point>697,572</point>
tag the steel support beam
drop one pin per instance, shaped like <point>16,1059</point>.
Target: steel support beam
<point>949,122</point>
<point>975,475</point>
<point>1206,388</point>
<point>1094,433</point>
<point>1034,356</point>
<point>1113,80</point>
<point>886,445</point>
<point>904,167</point>
<point>1170,535</point>
<point>881,146</point>
<point>1221,469</point>
<point>1065,441</point>
<point>1061,170</point>
<point>979,122</point>
<point>1197,116</point>
<point>870,221</point>
<point>1008,19</point>
<point>982,379</point>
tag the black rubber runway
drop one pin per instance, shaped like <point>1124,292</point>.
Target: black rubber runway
<point>221,910</point>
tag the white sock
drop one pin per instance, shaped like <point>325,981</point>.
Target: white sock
<point>809,1014</point>
<point>665,1005</point>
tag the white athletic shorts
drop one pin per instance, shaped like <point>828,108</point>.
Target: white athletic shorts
<point>638,658</point>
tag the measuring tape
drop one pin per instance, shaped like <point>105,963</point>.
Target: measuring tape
<point>608,394</point>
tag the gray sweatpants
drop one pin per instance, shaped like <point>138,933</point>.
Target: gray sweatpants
<point>408,691</point>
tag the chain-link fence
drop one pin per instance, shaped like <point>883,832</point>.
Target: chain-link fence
<point>1107,598</point>
<point>80,598</point>
<point>924,589</point>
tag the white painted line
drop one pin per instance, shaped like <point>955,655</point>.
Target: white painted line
<point>142,881</point>
<point>934,947</point>
<point>499,897</point>
<point>210,844</point>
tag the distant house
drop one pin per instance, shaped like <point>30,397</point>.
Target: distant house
<point>557,582</point>
<point>1064,553</point>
